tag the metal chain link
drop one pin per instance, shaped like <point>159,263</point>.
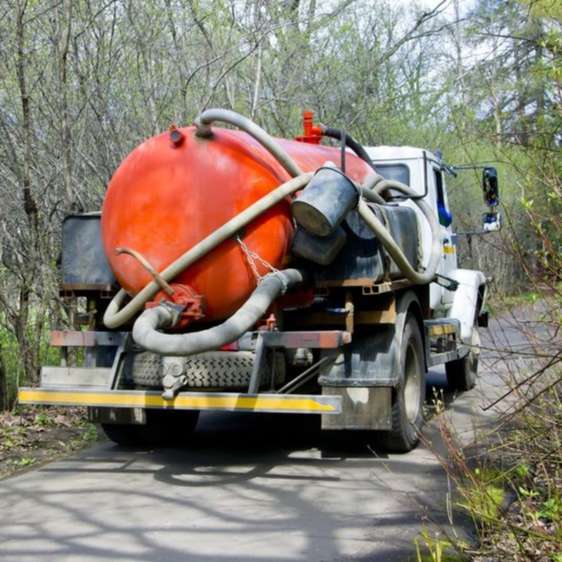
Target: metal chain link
<point>252,257</point>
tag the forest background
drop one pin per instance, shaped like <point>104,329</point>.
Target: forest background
<point>82,82</point>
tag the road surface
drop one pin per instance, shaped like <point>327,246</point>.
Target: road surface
<point>249,487</point>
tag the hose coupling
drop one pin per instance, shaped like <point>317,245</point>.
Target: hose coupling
<point>172,311</point>
<point>203,129</point>
<point>186,302</point>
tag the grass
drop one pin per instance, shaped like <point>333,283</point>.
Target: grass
<point>10,357</point>
<point>512,490</point>
<point>434,547</point>
<point>510,482</point>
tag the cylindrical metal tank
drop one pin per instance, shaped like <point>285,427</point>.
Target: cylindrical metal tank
<point>176,188</point>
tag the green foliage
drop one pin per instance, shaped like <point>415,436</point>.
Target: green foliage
<point>526,493</point>
<point>24,462</point>
<point>433,547</point>
<point>90,433</point>
<point>551,509</point>
<point>42,419</point>
<point>483,501</point>
<point>12,361</point>
<point>522,470</point>
<point>513,493</point>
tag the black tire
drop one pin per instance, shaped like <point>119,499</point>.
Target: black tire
<point>162,427</point>
<point>408,398</point>
<point>462,373</point>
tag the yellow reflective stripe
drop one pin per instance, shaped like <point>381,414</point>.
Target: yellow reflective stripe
<point>203,402</point>
<point>449,249</point>
<point>441,330</point>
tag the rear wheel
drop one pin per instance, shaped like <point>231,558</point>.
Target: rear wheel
<point>408,398</point>
<point>462,373</point>
<point>163,427</point>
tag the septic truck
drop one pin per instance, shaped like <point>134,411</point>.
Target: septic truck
<point>229,270</point>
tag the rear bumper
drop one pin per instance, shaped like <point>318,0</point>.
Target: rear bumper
<point>207,401</point>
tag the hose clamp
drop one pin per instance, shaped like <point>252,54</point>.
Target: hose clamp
<point>282,279</point>
<point>174,310</point>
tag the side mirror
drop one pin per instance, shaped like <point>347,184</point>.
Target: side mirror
<point>490,186</point>
<point>491,222</point>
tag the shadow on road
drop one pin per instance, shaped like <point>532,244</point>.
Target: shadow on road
<point>251,444</point>
<point>245,487</point>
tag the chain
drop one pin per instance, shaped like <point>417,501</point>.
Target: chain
<point>252,257</point>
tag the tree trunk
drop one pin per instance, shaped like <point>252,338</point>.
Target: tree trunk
<point>3,386</point>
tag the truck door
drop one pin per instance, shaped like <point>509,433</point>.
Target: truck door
<point>438,193</point>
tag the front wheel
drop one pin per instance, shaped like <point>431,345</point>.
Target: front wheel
<point>408,398</point>
<point>163,427</point>
<point>462,373</point>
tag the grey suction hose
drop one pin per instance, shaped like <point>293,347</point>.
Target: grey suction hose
<point>380,185</point>
<point>367,189</point>
<point>204,120</point>
<point>394,250</point>
<point>146,334</point>
<point>372,190</point>
<point>114,317</point>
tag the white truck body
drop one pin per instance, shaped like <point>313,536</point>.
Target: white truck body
<point>424,173</point>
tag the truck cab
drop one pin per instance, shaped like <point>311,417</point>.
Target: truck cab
<point>426,173</point>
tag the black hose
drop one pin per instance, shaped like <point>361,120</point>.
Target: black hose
<point>349,141</point>
<point>343,145</point>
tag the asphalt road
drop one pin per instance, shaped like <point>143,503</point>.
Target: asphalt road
<point>249,487</point>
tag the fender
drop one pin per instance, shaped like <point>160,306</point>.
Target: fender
<point>467,299</point>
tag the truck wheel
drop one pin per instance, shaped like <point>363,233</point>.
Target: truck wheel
<point>162,428</point>
<point>408,398</point>
<point>462,373</point>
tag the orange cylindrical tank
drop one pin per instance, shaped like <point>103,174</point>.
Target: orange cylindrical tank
<point>176,188</point>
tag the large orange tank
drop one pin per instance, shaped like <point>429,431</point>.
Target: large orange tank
<point>166,197</point>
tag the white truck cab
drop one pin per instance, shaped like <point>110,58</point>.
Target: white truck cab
<point>425,173</point>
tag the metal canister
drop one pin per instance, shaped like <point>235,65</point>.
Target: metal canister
<point>325,202</point>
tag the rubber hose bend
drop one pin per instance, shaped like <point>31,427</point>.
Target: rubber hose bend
<point>146,328</point>
<point>114,317</point>
<point>388,242</point>
<point>349,141</point>
<point>367,191</point>
<point>204,120</point>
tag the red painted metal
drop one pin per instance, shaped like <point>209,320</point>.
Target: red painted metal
<point>176,188</point>
<point>76,338</point>
<point>312,133</point>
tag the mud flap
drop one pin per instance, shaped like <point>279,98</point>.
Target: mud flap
<point>363,408</point>
<point>365,373</point>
